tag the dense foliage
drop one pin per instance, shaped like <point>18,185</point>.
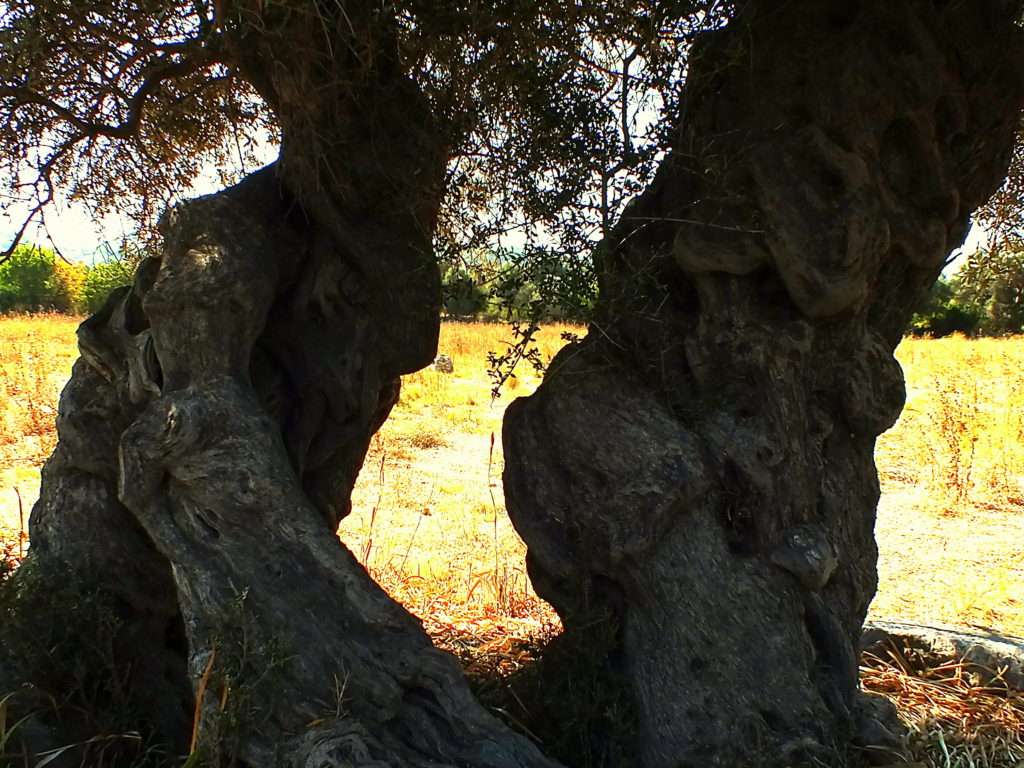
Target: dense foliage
<point>553,113</point>
<point>985,297</point>
<point>944,313</point>
<point>1003,214</point>
<point>554,116</point>
<point>515,286</point>
<point>992,282</point>
<point>35,279</point>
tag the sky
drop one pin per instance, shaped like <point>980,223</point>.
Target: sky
<point>73,232</point>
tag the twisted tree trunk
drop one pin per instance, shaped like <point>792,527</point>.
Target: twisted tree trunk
<point>698,472</point>
<point>217,419</point>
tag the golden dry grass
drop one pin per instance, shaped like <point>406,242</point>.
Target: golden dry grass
<point>951,520</point>
<point>428,515</point>
<point>429,519</point>
<point>954,719</point>
<point>961,435</point>
<point>36,354</point>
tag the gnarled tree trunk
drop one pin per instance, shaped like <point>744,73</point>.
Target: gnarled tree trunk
<point>698,471</point>
<point>215,423</point>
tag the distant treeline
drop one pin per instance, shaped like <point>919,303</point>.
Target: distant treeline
<point>984,298</point>
<point>35,279</point>
<point>518,287</point>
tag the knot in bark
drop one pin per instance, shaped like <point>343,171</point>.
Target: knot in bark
<point>807,554</point>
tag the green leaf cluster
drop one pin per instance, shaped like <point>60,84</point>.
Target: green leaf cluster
<point>30,281</point>
<point>985,297</point>
<point>35,279</point>
<point>527,286</point>
<point>992,282</point>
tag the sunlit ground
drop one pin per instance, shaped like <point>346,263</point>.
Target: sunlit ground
<point>429,519</point>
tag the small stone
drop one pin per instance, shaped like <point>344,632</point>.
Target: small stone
<point>444,364</point>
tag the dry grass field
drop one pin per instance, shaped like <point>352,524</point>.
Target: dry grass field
<point>429,519</point>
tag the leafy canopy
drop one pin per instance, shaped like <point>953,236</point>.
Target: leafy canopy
<point>993,283</point>
<point>553,112</point>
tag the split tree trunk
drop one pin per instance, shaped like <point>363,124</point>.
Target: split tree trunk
<point>698,471</point>
<point>216,421</point>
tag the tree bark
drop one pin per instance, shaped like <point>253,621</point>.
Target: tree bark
<point>222,407</point>
<point>698,473</point>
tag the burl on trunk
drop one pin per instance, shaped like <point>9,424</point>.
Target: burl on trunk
<point>698,471</point>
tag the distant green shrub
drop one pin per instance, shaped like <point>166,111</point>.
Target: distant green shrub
<point>68,281</point>
<point>992,282</point>
<point>30,282</point>
<point>946,311</point>
<point>35,279</point>
<point>101,279</point>
<point>461,293</point>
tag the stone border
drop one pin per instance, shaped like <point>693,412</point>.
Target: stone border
<point>993,658</point>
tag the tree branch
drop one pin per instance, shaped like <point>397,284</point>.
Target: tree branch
<point>166,68</point>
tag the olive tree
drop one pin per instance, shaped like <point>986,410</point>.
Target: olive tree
<point>696,475</point>
<point>223,403</point>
